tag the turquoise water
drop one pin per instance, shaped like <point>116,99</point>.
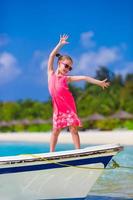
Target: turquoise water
<point>116,184</point>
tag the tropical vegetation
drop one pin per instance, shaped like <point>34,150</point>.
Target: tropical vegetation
<point>89,98</point>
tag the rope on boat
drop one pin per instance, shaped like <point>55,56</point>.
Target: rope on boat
<point>114,165</point>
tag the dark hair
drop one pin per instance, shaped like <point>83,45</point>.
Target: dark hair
<point>58,55</point>
<point>62,57</point>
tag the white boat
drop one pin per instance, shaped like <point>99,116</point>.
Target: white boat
<point>58,175</point>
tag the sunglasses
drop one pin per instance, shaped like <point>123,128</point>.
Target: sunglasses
<point>67,66</point>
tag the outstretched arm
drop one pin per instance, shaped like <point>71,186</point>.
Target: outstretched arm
<point>62,42</point>
<point>102,83</point>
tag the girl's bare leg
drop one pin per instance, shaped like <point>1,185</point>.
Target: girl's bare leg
<point>53,139</point>
<point>75,136</point>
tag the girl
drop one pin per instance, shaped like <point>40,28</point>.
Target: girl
<point>64,109</point>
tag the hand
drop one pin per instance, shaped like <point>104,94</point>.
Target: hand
<point>104,84</point>
<point>63,39</point>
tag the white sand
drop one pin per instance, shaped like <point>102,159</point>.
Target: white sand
<point>123,137</point>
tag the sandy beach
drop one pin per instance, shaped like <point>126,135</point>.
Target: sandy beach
<point>123,137</point>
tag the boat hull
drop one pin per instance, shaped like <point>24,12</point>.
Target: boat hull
<point>57,177</point>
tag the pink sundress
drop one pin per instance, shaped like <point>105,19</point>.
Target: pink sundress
<point>64,109</point>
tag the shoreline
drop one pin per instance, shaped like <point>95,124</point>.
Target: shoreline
<point>123,137</point>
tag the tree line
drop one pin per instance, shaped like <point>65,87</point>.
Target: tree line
<point>89,99</point>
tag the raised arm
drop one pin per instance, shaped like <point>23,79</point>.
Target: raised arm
<point>62,42</point>
<point>103,83</point>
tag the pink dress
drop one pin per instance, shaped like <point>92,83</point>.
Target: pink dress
<point>64,109</point>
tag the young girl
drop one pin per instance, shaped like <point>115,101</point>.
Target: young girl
<point>64,109</point>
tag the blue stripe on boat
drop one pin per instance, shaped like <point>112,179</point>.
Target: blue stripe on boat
<point>81,198</point>
<point>7,170</point>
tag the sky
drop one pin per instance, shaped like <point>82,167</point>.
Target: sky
<point>100,34</point>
